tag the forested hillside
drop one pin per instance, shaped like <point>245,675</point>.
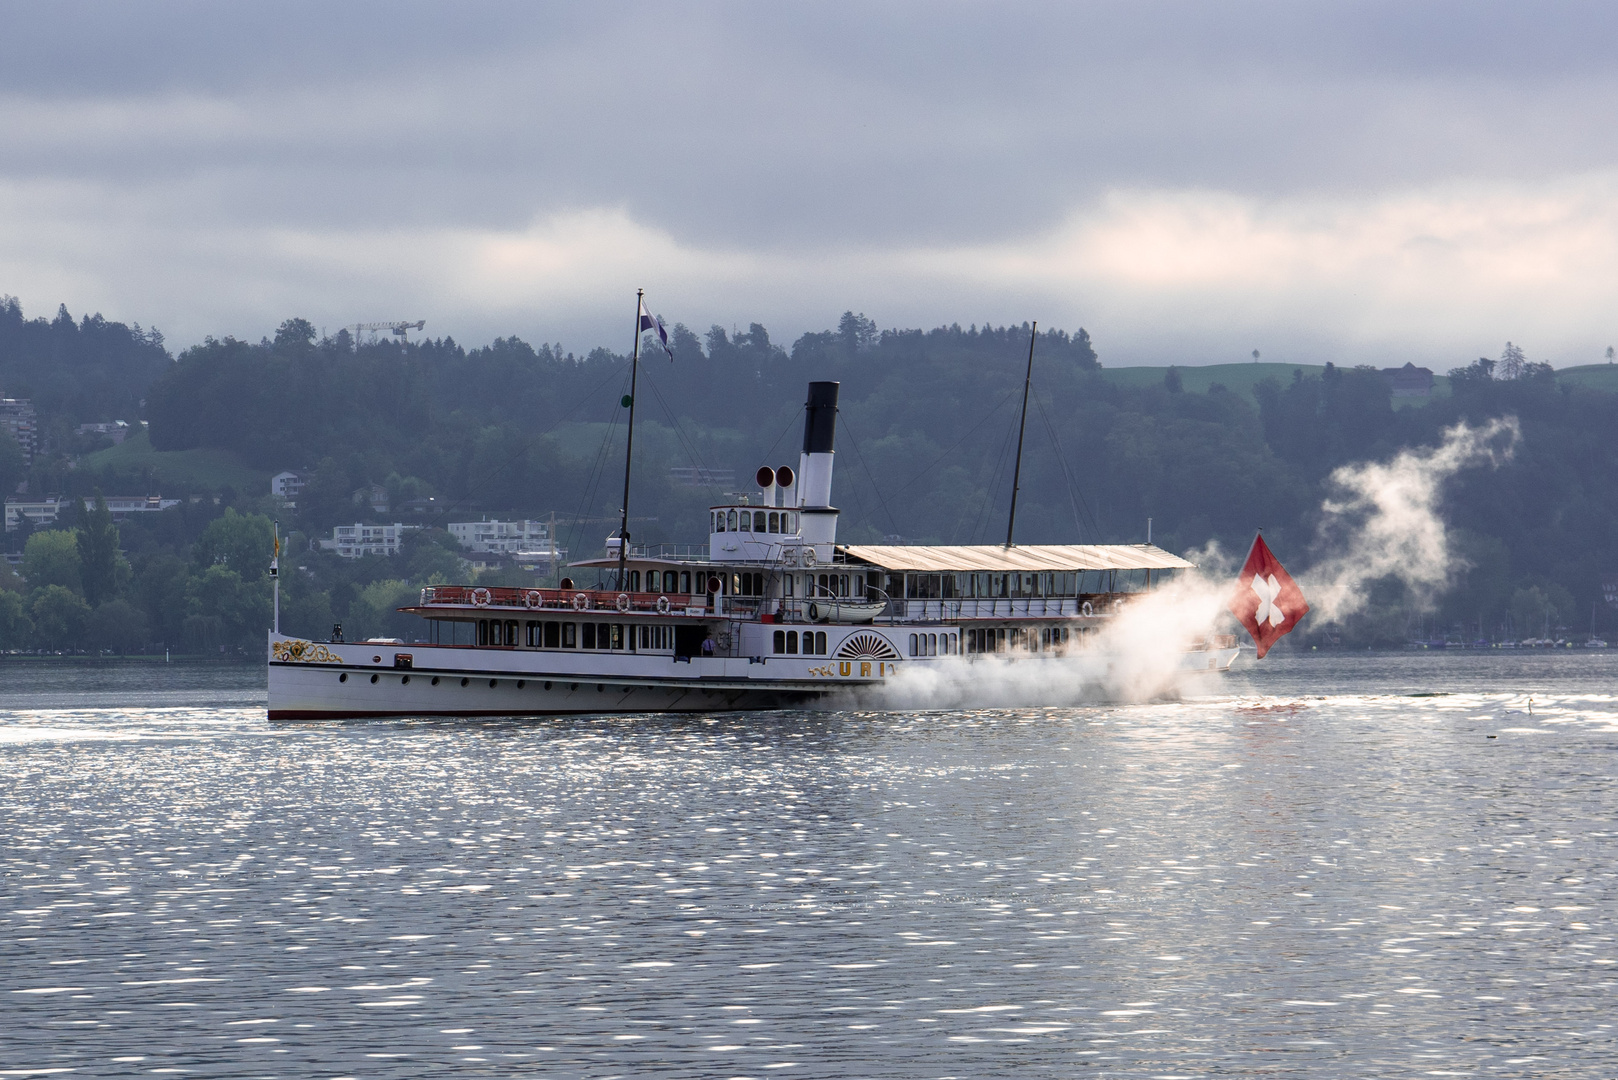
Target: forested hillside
<point>928,427</point>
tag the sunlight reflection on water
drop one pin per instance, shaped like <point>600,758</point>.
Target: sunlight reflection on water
<point>1308,871</point>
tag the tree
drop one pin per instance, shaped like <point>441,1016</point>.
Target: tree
<point>52,558</point>
<point>240,542</point>
<point>1512,362</point>
<point>236,611</point>
<point>103,568</point>
<point>15,626</point>
<point>59,617</point>
<point>117,626</point>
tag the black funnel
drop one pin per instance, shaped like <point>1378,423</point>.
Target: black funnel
<point>820,418</point>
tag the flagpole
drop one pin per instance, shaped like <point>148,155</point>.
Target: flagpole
<point>275,576</point>
<point>1016,474</point>
<point>629,448</point>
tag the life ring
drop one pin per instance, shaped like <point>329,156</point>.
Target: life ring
<point>723,640</point>
<point>534,599</point>
<point>789,556</point>
<point>663,605</point>
<point>1088,610</point>
<point>623,601</point>
<point>580,601</point>
<point>480,597</point>
<point>809,556</point>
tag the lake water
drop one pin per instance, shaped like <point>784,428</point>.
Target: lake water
<point>1364,865</point>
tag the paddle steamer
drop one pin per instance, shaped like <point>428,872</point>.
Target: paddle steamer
<point>773,613</point>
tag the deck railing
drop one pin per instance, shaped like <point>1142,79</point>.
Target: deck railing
<point>576,600</point>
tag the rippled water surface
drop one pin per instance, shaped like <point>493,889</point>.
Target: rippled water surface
<point>1378,865</point>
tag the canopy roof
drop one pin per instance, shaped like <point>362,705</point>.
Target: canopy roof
<point>994,557</point>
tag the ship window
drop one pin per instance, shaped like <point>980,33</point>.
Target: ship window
<point>913,644</point>
<point>820,642</point>
<point>685,582</point>
<point>775,522</point>
<point>535,635</point>
<point>634,581</point>
<point>483,632</point>
<point>511,632</point>
<point>758,521</point>
<point>792,642</point>
<point>787,583</point>
<point>553,636</point>
<point>716,522</point>
<point>731,516</point>
<point>671,581</point>
<point>570,635</point>
<point>617,635</point>
<point>589,635</point>
<point>779,640</point>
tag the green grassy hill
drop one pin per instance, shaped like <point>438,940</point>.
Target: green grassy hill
<point>1594,376</point>
<point>179,469</point>
<point>1240,378</point>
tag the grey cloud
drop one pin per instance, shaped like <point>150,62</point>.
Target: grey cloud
<point>776,128</point>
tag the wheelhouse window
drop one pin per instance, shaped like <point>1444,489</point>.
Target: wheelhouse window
<point>731,516</point>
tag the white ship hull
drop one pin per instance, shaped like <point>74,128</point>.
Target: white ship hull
<point>319,680</point>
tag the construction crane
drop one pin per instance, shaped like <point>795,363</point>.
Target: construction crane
<point>397,329</point>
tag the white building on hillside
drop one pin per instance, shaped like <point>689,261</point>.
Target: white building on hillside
<point>42,513</point>
<point>286,485</point>
<point>529,543</point>
<point>354,541</point>
<point>18,420</point>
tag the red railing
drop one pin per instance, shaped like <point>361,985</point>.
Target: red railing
<point>509,599</point>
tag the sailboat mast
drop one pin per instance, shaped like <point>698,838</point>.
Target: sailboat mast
<point>629,449</point>
<point>1022,426</point>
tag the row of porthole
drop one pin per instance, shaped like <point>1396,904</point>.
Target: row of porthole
<point>404,680</point>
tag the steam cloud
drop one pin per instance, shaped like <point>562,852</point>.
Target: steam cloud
<point>1380,521</point>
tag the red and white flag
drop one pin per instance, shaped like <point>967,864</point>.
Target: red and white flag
<point>1267,601</point>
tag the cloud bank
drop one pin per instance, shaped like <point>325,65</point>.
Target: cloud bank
<point>1362,185</point>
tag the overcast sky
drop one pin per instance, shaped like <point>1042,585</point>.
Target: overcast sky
<point>1365,183</point>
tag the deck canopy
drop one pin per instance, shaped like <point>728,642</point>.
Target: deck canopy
<point>1030,557</point>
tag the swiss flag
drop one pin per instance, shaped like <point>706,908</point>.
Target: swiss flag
<point>1267,601</point>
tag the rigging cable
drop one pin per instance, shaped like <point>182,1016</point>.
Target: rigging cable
<point>855,443</point>
<point>526,445</point>
<point>1075,497</point>
<point>686,442</point>
<point>597,469</point>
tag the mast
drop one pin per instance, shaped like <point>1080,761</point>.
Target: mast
<point>1016,474</point>
<point>629,448</point>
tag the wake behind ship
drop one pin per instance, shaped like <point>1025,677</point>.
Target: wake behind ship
<point>772,614</point>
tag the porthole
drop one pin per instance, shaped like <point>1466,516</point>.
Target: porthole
<point>343,677</point>
<point>573,686</point>
<point>547,684</point>
<point>404,680</point>
<point>465,682</point>
<point>601,688</point>
<point>374,678</point>
<point>435,680</point>
<point>521,683</point>
<point>493,683</point>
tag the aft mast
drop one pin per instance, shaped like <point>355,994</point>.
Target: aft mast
<point>1016,473</point>
<point>629,446</point>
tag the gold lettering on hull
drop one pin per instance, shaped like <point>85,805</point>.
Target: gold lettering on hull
<point>303,652</point>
